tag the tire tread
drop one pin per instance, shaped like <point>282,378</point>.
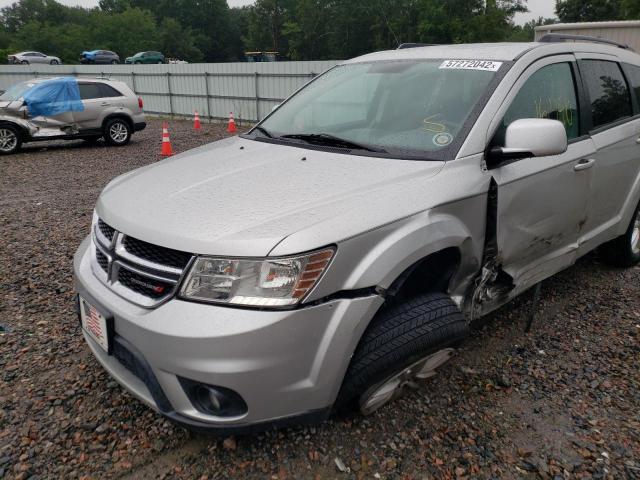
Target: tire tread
<point>396,336</point>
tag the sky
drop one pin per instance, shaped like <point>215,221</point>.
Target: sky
<point>538,8</point>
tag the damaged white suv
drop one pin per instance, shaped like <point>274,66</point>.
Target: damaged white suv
<point>338,251</point>
<point>65,108</point>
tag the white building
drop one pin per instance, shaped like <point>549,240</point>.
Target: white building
<point>625,32</point>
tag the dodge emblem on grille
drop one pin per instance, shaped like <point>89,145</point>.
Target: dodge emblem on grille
<point>155,288</point>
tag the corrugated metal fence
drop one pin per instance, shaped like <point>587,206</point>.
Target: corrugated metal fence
<point>249,90</point>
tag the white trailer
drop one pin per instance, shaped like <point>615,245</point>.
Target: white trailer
<point>624,32</point>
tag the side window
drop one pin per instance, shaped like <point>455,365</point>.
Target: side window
<point>89,91</point>
<point>633,74</point>
<point>608,92</point>
<point>108,91</point>
<point>548,93</point>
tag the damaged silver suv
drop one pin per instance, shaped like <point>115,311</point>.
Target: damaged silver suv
<point>68,109</point>
<point>338,251</point>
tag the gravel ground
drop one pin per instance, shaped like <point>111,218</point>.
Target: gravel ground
<point>559,402</point>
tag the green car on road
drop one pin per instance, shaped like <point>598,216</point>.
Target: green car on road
<point>146,57</point>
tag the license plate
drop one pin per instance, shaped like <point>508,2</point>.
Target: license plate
<point>94,323</point>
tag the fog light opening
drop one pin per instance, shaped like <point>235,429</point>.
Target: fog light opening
<point>214,400</point>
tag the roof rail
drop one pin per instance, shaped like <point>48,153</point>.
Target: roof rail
<point>562,37</point>
<point>402,46</point>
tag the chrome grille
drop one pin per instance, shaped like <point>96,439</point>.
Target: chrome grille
<point>106,230</point>
<point>102,260</point>
<point>156,254</point>
<point>139,271</point>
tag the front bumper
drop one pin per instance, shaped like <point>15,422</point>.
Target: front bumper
<point>286,365</point>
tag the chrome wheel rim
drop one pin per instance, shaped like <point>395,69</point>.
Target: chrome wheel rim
<point>391,388</point>
<point>118,132</point>
<point>8,140</point>
<point>635,235</point>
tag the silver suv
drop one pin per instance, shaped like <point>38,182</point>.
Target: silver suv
<point>69,109</point>
<point>338,251</point>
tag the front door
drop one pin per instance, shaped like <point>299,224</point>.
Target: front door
<point>93,102</point>
<point>542,202</point>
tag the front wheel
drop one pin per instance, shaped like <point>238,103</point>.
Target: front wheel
<point>404,343</point>
<point>24,62</point>
<point>624,251</point>
<point>114,62</point>
<point>53,62</point>
<point>117,132</point>
<point>10,140</point>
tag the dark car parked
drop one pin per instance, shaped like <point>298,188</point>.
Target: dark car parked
<point>99,57</point>
<point>146,57</point>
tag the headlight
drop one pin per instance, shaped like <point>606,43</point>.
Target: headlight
<point>268,282</point>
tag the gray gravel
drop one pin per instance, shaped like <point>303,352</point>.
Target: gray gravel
<point>559,402</point>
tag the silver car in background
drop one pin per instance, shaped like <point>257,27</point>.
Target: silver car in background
<point>109,110</point>
<point>28,58</point>
<point>336,253</point>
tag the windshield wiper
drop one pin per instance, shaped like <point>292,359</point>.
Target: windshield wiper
<point>263,131</point>
<point>328,139</point>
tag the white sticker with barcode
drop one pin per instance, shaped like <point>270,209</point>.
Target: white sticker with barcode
<point>486,65</point>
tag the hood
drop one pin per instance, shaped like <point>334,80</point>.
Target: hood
<point>242,197</point>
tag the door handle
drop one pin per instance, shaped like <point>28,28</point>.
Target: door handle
<point>584,164</point>
<point>638,140</point>
<point>105,104</point>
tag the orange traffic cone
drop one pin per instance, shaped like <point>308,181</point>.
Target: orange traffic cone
<point>166,143</point>
<point>232,124</point>
<point>196,121</point>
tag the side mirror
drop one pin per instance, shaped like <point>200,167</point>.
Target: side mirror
<point>531,137</point>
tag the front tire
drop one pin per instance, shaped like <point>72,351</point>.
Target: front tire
<point>114,62</point>
<point>24,62</point>
<point>10,139</point>
<point>403,343</point>
<point>624,251</point>
<point>117,132</point>
<point>54,62</point>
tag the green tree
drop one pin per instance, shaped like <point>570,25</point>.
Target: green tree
<point>114,6</point>
<point>178,42</point>
<point>589,10</point>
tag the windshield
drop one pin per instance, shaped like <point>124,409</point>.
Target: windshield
<point>407,106</point>
<point>16,92</point>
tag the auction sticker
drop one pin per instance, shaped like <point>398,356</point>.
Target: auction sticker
<point>486,65</point>
<point>442,139</point>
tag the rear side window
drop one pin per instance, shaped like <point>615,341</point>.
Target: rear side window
<point>607,89</point>
<point>89,91</point>
<point>633,74</point>
<point>108,91</point>
<point>548,93</point>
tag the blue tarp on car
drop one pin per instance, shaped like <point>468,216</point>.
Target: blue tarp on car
<point>53,97</point>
